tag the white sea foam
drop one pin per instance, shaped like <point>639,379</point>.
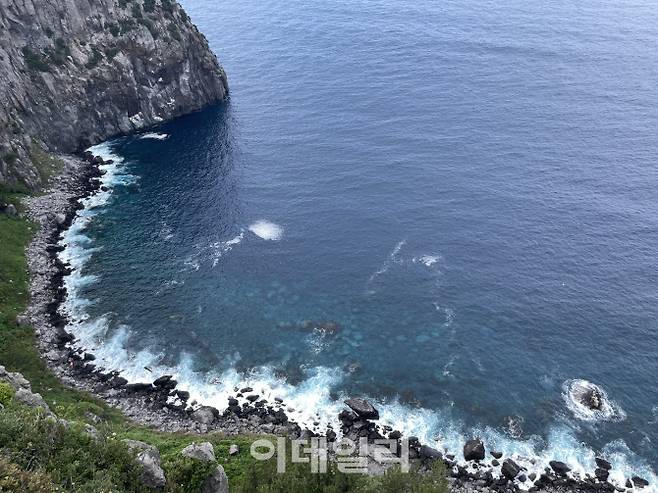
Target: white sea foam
<point>266,230</point>
<point>426,260</point>
<point>154,135</point>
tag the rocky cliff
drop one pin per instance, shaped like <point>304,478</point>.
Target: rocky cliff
<point>75,72</point>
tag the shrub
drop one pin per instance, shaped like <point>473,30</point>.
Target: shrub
<point>13,478</point>
<point>10,157</point>
<point>149,5</point>
<point>34,60</point>
<point>187,475</point>
<point>6,394</point>
<point>72,458</point>
<point>94,59</point>
<point>114,29</point>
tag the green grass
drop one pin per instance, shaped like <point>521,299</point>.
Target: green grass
<point>38,455</point>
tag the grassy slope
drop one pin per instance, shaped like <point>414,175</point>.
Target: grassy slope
<point>38,456</point>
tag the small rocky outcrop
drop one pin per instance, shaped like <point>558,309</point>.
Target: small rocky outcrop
<point>217,482</point>
<point>474,450</point>
<point>148,456</point>
<point>362,408</point>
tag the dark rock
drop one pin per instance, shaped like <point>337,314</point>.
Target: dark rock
<point>495,463</point>
<point>233,402</point>
<point>510,469</point>
<point>601,474</point>
<point>89,357</point>
<point>496,455</point>
<point>429,453</point>
<point>162,381</point>
<point>640,482</point>
<point>603,464</point>
<point>474,450</point>
<point>593,399</point>
<point>246,390</point>
<point>523,478</point>
<point>362,408</point>
<point>139,387</point>
<point>395,435</point>
<point>183,395</point>
<point>252,397</point>
<point>560,468</point>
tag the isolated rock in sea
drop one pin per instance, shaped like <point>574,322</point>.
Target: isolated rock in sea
<point>474,450</point>
<point>76,72</point>
<point>200,451</point>
<point>362,408</point>
<point>149,458</point>
<point>593,399</point>
<point>510,469</point>
<point>603,464</point>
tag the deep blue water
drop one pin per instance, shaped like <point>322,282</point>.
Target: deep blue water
<point>467,190</point>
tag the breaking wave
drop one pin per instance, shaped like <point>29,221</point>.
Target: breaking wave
<point>266,230</point>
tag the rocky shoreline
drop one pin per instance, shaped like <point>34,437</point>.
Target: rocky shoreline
<point>159,404</point>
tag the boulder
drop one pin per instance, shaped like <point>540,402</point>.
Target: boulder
<point>603,464</point>
<point>362,408</point>
<point>510,469</point>
<point>601,474</point>
<point>201,451</point>
<point>233,449</point>
<point>560,468</point>
<point>149,458</point>
<point>204,415</point>
<point>165,382</point>
<point>640,482</point>
<point>474,450</point>
<point>429,453</point>
<point>10,210</point>
<point>217,482</point>
<point>496,455</point>
<point>30,399</point>
<point>593,399</point>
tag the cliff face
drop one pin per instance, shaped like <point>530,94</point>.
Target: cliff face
<point>75,72</point>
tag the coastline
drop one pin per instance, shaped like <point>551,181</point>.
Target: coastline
<point>158,404</point>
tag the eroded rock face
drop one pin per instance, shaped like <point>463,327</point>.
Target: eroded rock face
<point>75,72</point>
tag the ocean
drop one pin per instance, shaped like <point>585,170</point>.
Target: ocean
<point>446,207</point>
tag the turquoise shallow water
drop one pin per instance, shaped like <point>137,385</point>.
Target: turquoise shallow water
<point>449,208</point>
